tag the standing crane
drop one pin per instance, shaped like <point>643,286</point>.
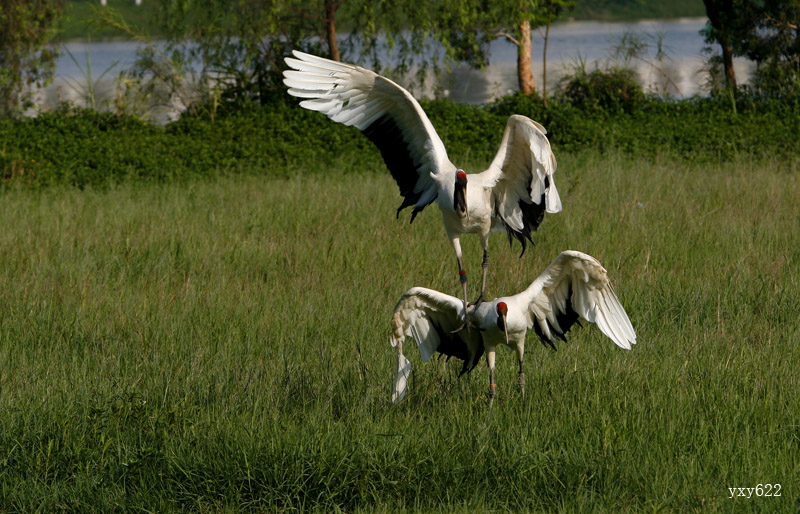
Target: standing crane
<point>512,195</point>
<point>573,286</point>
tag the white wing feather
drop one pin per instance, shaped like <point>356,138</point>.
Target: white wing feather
<point>522,163</point>
<point>400,385</point>
<point>416,312</point>
<point>592,298</point>
<point>427,316</point>
<point>356,96</point>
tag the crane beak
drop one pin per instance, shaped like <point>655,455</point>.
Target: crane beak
<point>505,326</point>
<point>460,200</point>
<point>466,208</point>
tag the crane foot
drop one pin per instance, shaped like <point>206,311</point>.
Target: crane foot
<point>477,302</point>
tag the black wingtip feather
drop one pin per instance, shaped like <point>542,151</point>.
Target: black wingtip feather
<point>386,135</point>
<point>532,216</point>
<point>452,345</point>
<point>469,365</point>
<point>565,320</point>
<point>414,213</point>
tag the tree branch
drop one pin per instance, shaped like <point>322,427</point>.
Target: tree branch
<point>507,36</point>
<point>781,24</point>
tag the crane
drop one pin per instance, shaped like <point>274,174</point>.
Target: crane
<point>512,195</point>
<point>575,285</point>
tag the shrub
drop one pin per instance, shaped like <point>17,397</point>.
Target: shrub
<point>613,90</point>
<point>87,148</point>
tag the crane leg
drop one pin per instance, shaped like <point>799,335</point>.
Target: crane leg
<point>492,386</point>
<point>462,275</point>
<point>520,354</point>
<point>485,266</point>
<point>492,389</point>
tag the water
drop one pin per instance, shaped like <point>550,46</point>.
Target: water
<point>680,74</point>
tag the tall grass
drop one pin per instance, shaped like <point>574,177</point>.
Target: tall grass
<point>223,345</point>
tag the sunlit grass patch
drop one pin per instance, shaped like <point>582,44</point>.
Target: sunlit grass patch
<point>223,345</point>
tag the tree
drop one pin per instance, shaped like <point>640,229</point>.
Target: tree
<point>234,49</point>
<point>774,43</point>
<point>318,16</point>
<point>403,32</point>
<point>514,20</point>
<point>726,21</point>
<point>765,31</point>
<point>26,59</point>
<point>550,10</point>
<point>331,7</point>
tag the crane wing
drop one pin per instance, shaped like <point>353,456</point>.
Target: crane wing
<point>574,286</point>
<point>430,317</point>
<point>521,179</point>
<point>385,112</point>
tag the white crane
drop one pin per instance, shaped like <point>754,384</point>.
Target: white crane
<point>512,195</point>
<point>574,286</point>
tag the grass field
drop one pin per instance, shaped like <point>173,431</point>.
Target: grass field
<point>222,345</point>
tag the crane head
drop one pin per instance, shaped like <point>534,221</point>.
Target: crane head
<point>502,308</point>
<point>502,312</point>
<point>460,194</point>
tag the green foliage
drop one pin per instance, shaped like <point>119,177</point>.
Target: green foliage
<point>26,59</point>
<point>773,44</point>
<point>79,19</point>
<point>614,90</point>
<point>614,10</point>
<point>763,31</point>
<point>466,29</point>
<point>728,23</point>
<point>222,346</point>
<point>79,148</point>
<point>228,51</point>
<point>82,147</point>
<point>77,22</point>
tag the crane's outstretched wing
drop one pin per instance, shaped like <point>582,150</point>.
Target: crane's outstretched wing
<point>574,286</point>
<point>430,317</point>
<point>385,112</point>
<point>521,179</point>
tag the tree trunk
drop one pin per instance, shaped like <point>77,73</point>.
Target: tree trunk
<point>330,25</point>
<point>727,63</point>
<point>524,73</point>
<point>544,62</point>
<point>719,13</point>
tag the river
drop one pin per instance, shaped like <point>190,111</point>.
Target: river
<point>679,73</point>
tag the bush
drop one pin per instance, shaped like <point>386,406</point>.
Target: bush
<point>83,148</point>
<point>614,90</point>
